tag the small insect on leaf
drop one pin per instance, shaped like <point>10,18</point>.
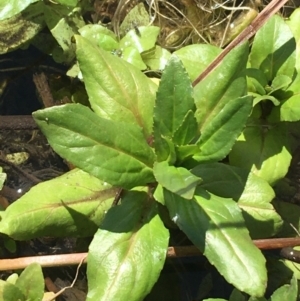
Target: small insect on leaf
<point>136,29</point>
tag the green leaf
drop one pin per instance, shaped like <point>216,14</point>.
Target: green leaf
<point>289,108</point>
<point>128,251</point>
<point>100,36</point>
<point>187,131</point>
<point>294,87</point>
<point>12,278</point>
<point>132,56</point>
<point>281,81</point>
<point>71,3</point>
<point>196,58</point>
<point>286,292</point>
<point>236,295</point>
<point>176,179</point>
<point>2,177</point>
<point>158,59</point>
<point>263,151</point>
<point>112,151</point>
<point>107,42</point>
<point>174,99</point>
<point>252,193</point>
<point>218,137</point>
<point>10,292</point>
<point>142,38</point>
<point>216,226</point>
<point>256,81</point>
<point>260,98</point>
<point>31,282</point>
<point>293,23</point>
<point>225,84</point>
<point>238,24</point>
<point>214,299</point>
<point>174,102</point>
<point>186,152</point>
<point>63,23</point>
<point>73,204</point>
<point>138,16</point>
<point>256,114</point>
<point>165,150</point>
<point>257,299</point>
<point>288,111</point>
<point>273,49</point>
<point>24,26</point>
<point>219,110</point>
<point>159,194</point>
<point>117,90</point>
<point>11,8</point>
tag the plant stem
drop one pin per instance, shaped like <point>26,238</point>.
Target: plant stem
<point>42,86</point>
<point>246,34</point>
<point>180,251</point>
<point>17,122</point>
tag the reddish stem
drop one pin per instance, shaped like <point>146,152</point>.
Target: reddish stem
<point>181,251</point>
<point>246,34</point>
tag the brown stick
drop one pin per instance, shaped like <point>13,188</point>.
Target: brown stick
<point>277,243</point>
<point>44,261</point>
<point>246,34</point>
<point>17,122</point>
<point>42,86</point>
<point>183,251</point>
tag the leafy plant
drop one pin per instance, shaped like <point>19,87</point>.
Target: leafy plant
<point>26,20</point>
<point>2,178</point>
<point>137,45</point>
<point>28,286</point>
<point>65,18</point>
<point>266,145</point>
<point>161,146</point>
<point>285,292</point>
<point>139,140</point>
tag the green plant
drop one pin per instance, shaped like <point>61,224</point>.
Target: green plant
<point>65,18</point>
<point>137,42</point>
<point>267,143</point>
<point>2,178</point>
<point>21,23</point>
<point>157,147</point>
<point>285,292</point>
<point>28,286</point>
